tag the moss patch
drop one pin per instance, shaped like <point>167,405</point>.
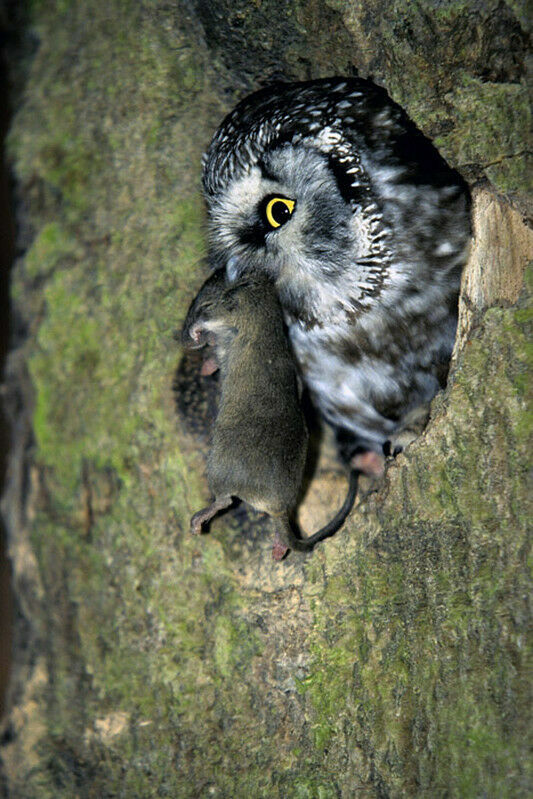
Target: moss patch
<point>459,70</point>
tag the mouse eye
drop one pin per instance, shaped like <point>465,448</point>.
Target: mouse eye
<point>278,210</point>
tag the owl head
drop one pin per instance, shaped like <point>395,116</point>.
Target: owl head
<point>310,183</point>
<point>281,178</point>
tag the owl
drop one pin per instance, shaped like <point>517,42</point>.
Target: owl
<point>330,189</point>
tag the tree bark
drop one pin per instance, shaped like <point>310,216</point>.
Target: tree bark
<point>389,663</point>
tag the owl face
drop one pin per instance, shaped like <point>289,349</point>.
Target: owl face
<point>286,216</point>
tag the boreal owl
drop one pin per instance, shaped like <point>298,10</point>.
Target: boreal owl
<point>329,188</point>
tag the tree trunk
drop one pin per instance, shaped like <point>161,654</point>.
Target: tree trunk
<point>388,663</point>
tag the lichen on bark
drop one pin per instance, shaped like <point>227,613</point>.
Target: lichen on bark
<point>391,662</point>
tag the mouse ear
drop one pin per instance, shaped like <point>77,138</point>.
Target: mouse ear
<point>209,366</point>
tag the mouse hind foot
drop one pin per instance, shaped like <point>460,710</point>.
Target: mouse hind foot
<point>206,514</point>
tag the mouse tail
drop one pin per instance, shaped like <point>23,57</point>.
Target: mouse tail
<point>306,544</point>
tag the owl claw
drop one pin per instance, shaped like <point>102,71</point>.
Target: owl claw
<point>391,451</point>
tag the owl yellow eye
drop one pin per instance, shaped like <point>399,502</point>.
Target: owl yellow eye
<point>278,210</point>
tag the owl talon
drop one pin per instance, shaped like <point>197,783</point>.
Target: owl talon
<point>391,452</point>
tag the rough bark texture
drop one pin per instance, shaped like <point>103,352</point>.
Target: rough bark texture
<point>389,663</point>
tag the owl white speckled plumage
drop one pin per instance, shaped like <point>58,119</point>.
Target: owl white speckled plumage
<point>329,188</point>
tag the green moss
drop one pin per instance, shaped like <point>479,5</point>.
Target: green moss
<point>309,789</point>
<point>53,245</point>
<point>491,121</point>
<point>461,81</point>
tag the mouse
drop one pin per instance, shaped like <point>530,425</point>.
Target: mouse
<point>259,439</point>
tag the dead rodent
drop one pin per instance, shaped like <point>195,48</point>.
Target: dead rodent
<point>259,439</point>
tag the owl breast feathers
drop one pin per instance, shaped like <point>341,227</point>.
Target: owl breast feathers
<point>330,189</point>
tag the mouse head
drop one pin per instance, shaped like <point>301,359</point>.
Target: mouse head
<point>194,333</point>
<point>223,306</point>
